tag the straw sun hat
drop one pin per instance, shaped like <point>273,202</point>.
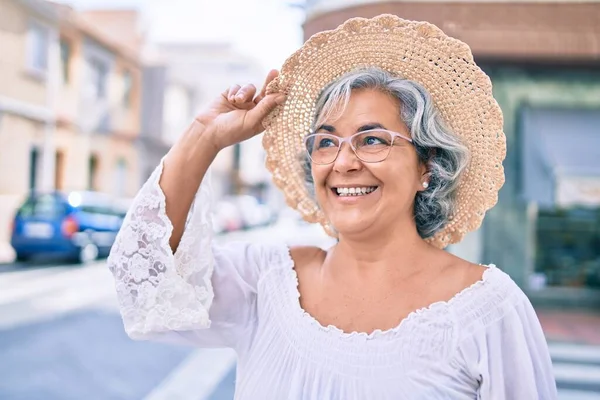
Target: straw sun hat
<point>417,51</point>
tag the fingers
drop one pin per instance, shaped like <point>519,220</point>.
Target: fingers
<point>264,107</point>
<point>242,95</point>
<point>232,92</point>
<point>270,76</point>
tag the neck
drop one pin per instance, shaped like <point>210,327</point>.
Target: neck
<point>399,251</point>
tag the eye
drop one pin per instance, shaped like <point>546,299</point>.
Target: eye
<point>326,142</point>
<point>373,141</point>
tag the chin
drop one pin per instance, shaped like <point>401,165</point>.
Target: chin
<point>351,225</point>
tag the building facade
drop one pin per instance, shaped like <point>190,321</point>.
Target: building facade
<point>28,67</point>
<point>98,110</point>
<point>69,107</point>
<point>544,62</point>
<point>152,143</point>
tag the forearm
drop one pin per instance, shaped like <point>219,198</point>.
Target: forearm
<point>184,168</point>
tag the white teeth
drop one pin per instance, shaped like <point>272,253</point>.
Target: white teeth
<point>355,191</point>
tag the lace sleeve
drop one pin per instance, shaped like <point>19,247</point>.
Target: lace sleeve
<point>159,291</point>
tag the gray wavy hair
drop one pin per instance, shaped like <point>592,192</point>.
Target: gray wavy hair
<point>442,151</point>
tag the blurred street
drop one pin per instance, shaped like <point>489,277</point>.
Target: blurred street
<point>61,338</point>
<point>93,94</point>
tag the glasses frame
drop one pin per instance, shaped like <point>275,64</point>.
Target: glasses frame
<point>349,141</point>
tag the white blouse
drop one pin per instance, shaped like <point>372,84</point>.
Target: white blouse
<point>485,343</point>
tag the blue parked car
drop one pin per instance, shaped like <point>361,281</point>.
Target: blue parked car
<point>79,226</point>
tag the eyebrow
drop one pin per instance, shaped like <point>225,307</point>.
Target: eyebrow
<point>366,127</point>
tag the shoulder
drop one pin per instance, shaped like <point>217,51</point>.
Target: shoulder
<point>501,285</point>
<point>308,261</point>
<point>307,257</point>
<point>260,257</point>
<point>499,320</point>
<point>478,280</point>
<point>489,300</point>
<point>495,286</point>
<point>270,256</point>
<point>469,273</point>
<point>279,255</point>
<point>457,276</point>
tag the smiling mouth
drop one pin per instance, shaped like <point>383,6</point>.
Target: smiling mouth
<point>354,191</point>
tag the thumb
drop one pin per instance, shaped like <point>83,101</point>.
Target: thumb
<point>264,107</point>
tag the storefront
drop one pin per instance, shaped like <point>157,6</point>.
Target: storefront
<point>561,176</point>
<point>544,230</point>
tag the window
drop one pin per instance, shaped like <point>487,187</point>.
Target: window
<point>59,170</point>
<point>176,113</point>
<point>561,177</point>
<point>34,156</point>
<point>93,173</point>
<point>65,58</point>
<point>127,88</point>
<point>98,77</point>
<point>120,178</point>
<point>101,210</point>
<point>42,206</point>
<point>568,246</point>
<point>38,41</point>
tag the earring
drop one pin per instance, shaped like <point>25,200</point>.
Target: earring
<point>425,185</point>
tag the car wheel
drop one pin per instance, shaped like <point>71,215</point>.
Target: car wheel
<point>88,253</point>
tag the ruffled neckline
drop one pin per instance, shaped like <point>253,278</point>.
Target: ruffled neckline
<point>427,312</point>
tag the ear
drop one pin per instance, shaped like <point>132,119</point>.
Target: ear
<point>425,172</point>
<point>424,181</point>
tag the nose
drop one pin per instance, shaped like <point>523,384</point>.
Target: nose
<point>346,160</point>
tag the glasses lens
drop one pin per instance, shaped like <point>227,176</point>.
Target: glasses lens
<point>373,146</point>
<point>322,148</point>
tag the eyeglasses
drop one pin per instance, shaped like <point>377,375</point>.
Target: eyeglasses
<point>370,146</point>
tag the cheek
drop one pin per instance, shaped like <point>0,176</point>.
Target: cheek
<point>398,175</point>
<point>319,174</point>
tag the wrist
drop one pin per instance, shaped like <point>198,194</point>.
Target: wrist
<point>201,138</point>
<point>196,144</point>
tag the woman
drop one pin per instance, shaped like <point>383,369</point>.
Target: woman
<point>401,144</point>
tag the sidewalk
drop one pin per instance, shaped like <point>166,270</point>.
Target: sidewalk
<point>576,326</point>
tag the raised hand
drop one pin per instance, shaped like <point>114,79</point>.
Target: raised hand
<point>237,114</point>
